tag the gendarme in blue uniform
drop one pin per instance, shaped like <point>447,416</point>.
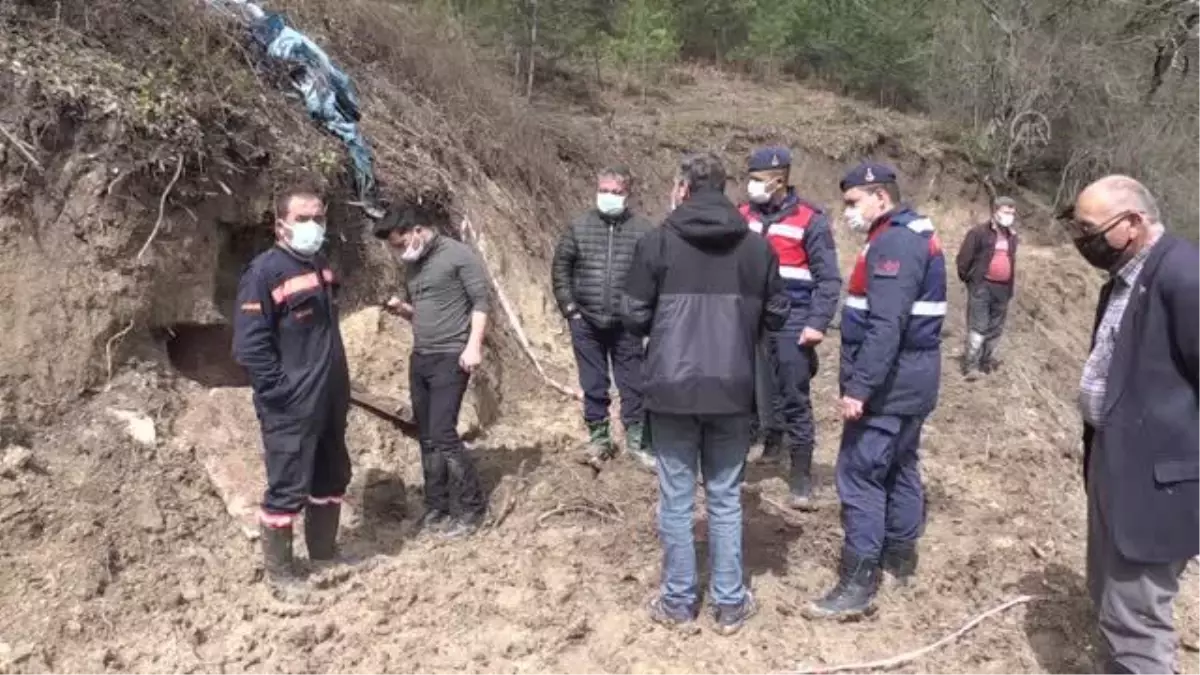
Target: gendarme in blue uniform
<point>799,233</point>
<point>891,360</point>
<point>286,335</point>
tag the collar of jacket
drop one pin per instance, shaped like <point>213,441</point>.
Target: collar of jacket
<point>618,219</point>
<point>434,245</point>
<point>900,214</point>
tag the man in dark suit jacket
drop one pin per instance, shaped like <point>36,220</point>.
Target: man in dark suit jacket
<point>1138,397</point>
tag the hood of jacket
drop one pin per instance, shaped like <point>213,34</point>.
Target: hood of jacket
<point>708,220</point>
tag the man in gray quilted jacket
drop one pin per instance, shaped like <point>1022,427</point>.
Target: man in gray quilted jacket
<point>590,264</point>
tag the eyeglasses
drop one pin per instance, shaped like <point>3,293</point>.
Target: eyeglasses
<point>1083,228</point>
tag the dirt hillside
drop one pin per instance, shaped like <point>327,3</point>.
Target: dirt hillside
<point>118,406</point>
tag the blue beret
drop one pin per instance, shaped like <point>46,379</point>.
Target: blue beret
<point>868,173</point>
<point>773,157</point>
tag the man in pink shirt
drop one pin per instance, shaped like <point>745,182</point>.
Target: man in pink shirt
<point>987,264</point>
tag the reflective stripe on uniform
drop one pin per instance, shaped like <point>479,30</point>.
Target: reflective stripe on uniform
<point>785,230</point>
<point>919,308</point>
<point>299,284</point>
<point>276,520</point>
<point>324,501</point>
<point>926,308</point>
<point>795,273</point>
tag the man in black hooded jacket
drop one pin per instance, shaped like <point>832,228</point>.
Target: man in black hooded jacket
<point>703,290</point>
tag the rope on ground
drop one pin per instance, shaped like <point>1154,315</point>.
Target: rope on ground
<point>602,510</point>
<point>511,315</point>
<point>918,653</point>
<point>162,205</point>
<point>108,348</point>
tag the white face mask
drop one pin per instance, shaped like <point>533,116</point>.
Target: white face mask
<point>416,249</point>
<point>610,204</point>
<point>306,237</point>
<point>1005,219</point>
<point>757,190</point>
<point>855,220</point>
<point>676,200</point>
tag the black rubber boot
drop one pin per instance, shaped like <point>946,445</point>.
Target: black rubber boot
<point>800,480</point>
<point>321,530</point>
<point>279,561</point>
<point>437,489</point>
<point>899,561</point>
<point>464,485</point>
<point>772,453</point>
<point>854,593</point>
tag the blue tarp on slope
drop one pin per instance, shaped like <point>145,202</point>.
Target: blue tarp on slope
<point>328,93</point>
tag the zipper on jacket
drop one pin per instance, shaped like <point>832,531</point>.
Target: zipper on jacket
<point>608,272</point>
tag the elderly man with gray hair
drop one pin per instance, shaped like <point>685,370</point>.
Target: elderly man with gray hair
<point>987,264</point>
<point>1138,398</point>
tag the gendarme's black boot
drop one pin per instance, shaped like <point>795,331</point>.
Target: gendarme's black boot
<point>899,561</point>
<point>851,598</point>
<point>320,531</point>
<point>800,481</point>
<point>279,562</point>
<point>772,453</point>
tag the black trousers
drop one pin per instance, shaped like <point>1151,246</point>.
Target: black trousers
<point>594,348</point>
<point>437,386</point>
<point>305,455</point>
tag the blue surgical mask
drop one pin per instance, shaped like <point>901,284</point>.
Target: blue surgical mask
<point>306,237</point>
<point>610,204</point>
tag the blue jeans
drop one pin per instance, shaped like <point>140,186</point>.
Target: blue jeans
<point>879,482</point>
<point>720,442</point>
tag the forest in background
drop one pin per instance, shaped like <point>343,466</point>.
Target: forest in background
<point>1042,94</point>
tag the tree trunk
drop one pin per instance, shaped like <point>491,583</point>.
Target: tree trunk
<point>596,59</point>
<point>516,53</point>
<point>1166,52</point>
<point>644,77</point>
<point>533,31</point>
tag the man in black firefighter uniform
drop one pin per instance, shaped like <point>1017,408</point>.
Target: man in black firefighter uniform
<point>447,304</point>
<point>287,337</point>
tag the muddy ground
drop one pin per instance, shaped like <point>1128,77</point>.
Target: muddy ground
<point>119,554</point>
